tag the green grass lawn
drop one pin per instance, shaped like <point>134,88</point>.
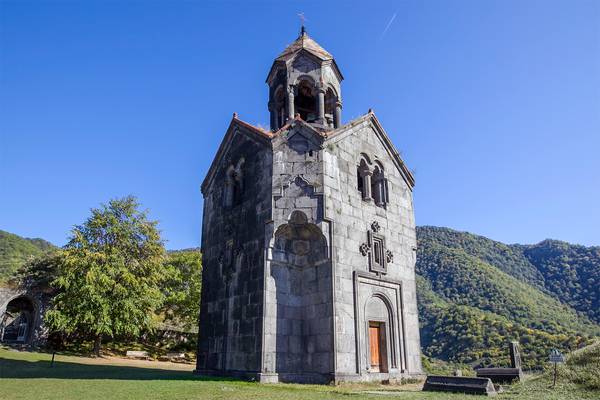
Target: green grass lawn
<point>28,375</point>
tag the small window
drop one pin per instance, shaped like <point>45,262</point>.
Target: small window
<point>377,258</point>
<point>234,185</point>
<point>237,189</point>
<point>378,251</point>
<point>363,175</point>
<point>379,187</point>
<point>361,182</point>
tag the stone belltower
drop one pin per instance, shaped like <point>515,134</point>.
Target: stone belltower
<point>305,80</point>
<point>308,240</point>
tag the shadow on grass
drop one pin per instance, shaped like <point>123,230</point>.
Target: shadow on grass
<point>18,369</point>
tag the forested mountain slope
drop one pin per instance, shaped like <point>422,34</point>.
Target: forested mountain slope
<point>466,334</point>
<point>571,273</point>
<point>476,294</point>
<point>15,250</point>
<point>502,256</point>
<point>568,272</point>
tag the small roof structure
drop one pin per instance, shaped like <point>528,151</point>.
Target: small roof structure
<point>308,44</point>
<point>304,42</point>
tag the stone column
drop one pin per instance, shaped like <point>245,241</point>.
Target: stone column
<point>366,184</point>
<point>379,196</point>
<point>321,105</point>
<point>290,102</point>
<point>338,114</point>
<point>273,115</point>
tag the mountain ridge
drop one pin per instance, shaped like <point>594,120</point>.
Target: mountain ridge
<point>474,294</point>
<point>15,250</point>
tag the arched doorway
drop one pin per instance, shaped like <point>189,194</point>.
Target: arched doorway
<point>16,324</point>
<point>380,333</point>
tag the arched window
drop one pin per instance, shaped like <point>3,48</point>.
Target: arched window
<point>371,181</point>
<point>305,102</point>
<point>379,186</point>
<point>234,185</point>
<point>363,177</point>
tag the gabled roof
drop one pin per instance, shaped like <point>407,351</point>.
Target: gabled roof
<point>298,121</point>
<point>265,137</point>
<point>253,132</point>
<point>385,140</point>
<point>307,43</point>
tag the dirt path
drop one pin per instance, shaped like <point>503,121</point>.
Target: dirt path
<point>126,362</point>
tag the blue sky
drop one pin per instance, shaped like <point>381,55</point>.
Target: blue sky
<point>494,104</point>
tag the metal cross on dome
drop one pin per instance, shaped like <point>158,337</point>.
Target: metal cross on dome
<point>302,21</point>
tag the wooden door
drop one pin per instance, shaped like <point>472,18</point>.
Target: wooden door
<point>375,347</point>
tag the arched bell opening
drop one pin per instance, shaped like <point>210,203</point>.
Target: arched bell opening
<point>305,101</point>
<point>279,107</point>
<point>16,324</point>
<point>332,108</point>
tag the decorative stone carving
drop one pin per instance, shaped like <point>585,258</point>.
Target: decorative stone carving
<point>364,249</point>
<point>375,226</point>
<point>375,248</point>
<point>389,256</point>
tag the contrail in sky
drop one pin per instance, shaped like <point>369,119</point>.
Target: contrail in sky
<point>388,25</point>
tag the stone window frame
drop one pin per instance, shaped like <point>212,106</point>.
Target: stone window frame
<point>233,194</point>
<point>371,181</point>
<point>375,249</point>
<point>379,186</point>
<point>377,253</point>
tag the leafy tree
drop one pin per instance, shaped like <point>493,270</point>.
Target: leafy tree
<point>39,272</point>
<point>182,288</point>
<point>110,274</point>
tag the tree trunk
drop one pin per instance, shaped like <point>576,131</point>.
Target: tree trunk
<point>97,343</point>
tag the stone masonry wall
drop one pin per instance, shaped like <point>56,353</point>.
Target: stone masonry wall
<point>288,294</point>
<point>353,218</point>
<point>233,262</point>
<point>299,308</point>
